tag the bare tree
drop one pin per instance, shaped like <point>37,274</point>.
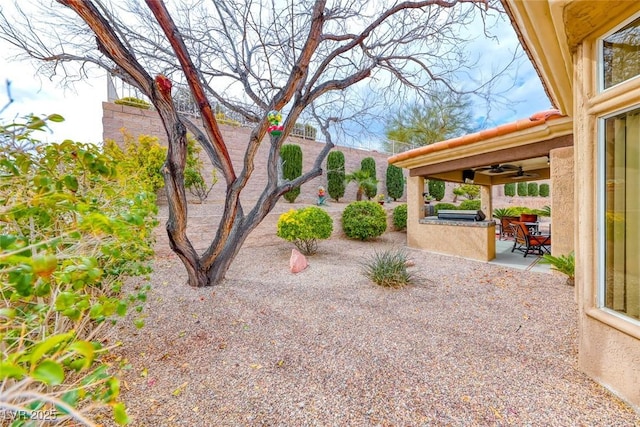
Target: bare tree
<point>251,56</point>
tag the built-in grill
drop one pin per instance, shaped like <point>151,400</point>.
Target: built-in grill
<point>461,215</point>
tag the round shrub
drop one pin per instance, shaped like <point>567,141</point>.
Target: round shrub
<point>400,217</point>
<point>364,220</point>
<point>544,190</point>
<point>436,189</point>
<point>304,227</point>
<point>443,206</point>
<point>470,205</point>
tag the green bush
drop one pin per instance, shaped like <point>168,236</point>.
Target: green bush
<point>145,156</point>
<point>368,164</point>
<point>522,189</point>
<point>291,155</point>
<point>436,189</point>
<point>499,213</point>
<point>544,190</point>
<point>565,264</point>
<point>400,217</point>
<point>74,222</point>
<point>443,206</point>
<point>304,227</point>
<point>532,189</point>
<point>395,182</point>
<point>470,205</point>
<point>510,189</point>
<point>335,175</point>
<point>133,102</point>
<point>193,179</point>
<point>364,220</point>
<point>388,268</point>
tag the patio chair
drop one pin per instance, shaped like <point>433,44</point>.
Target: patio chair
<point>529,243</point>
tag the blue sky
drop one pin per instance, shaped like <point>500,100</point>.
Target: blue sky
<point>81,104</point>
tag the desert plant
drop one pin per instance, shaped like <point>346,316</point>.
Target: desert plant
<point>303,227</point>
<point>510,189</point>
<point>400,217</point>
<point>468,191</point>
<point>565,264</point>
<point>544,211</point>
<point>470,205</point>
<point>522,189</point>
<point>335,175</point>
<point>387,268</point>
<point>364,220</point>
<point>364,182</point>
<point>443,206</point>
<point>395,182</point>
<point>368,164</point>
<point>436,189</point>
<point>144,156</point>
<point>291,155</point>
<point>499,213</point>
<point>133,102</point>
<point>532,189</point>
<point>544,190</point>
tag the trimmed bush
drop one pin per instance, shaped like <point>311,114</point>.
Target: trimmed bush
<point>335,175</point>
<point>544,190</point>
<point>443,206</point>
<point>133,102</point>
<point>291,155</point>
<point>368,164</point>
<point>304,227</point>
<point>388,268</point>
<point>400,217</point>
<point>510,189</point>
<point>532,189</point>
<point>522,189</point>
<point>364,220</point>
<point>470,205</point>
<point>436,189</point>
<point>395,182</point>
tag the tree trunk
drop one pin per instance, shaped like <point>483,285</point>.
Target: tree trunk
<point>359,194</point>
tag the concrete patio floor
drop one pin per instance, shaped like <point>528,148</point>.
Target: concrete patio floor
<point>516,259</point>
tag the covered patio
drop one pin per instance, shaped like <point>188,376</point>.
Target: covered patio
<point>536,148</point>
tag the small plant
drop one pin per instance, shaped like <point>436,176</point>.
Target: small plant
<point>500,213</point>
<point>468,191</point>
<point>303,227</point>
<point>443,206</point>
<point>510,189</point>
<point>544,190</point>
<point>400,217</point>
<point>388,268</point>
<point>365,182</point>
<point>436,189</point>
<point>565,264</point>
<point>368,164</point>
<point>532,189</point>
<point>364,220</point>
<point>522,189</point>
<point>470,205</point>
<point>133,102</point>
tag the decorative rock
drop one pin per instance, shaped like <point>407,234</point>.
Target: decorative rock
<point>410,263</point>
<point>298,262</point>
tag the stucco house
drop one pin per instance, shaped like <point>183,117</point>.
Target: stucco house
<point>587,54</point>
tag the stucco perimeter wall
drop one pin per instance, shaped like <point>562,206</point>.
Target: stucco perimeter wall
<point>146,122</point>
<point>562,201</point>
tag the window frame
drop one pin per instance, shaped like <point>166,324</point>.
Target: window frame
<point>600,56</point>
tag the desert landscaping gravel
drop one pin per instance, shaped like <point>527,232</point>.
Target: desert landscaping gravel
<point>469,343</point>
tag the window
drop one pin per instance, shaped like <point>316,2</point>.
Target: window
<point>622,213</point>
<point>621,54</point>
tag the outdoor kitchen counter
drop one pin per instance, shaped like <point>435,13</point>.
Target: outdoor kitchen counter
<point>456,237</point>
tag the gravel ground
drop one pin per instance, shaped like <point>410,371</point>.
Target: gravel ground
<point>469,343</point>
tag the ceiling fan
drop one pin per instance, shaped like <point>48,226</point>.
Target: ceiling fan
<point>521,174</point>
<point>498,169</point>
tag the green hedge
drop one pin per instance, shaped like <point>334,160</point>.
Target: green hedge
<point>544,190</point>
<point>470,205</point>
<point>510,189</point>
<point>522,189</point>
<point>400,217</point>
<point>395,182</point>
<point>291,155</point>
<point>335,175</point>
<point>532,189</point>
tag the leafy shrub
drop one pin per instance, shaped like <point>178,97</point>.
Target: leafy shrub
<point>364,220</point>
<point>565,264</point>
<point>470,205</point>
<point>443,206</point>
<point>291,155</point>
<point>499,213</point>
<point>133,102</point>
<point>395,182</point>
<point>366,184</point>
<point>532,189</point>
<point>436,189</point>
<point>368,164</point>
<point>400,217</point>
<point>510,189</point>
<point>335,175</point>
<point>469,191</point>
<point>144,156</point>
<point>74,221</point>
<point>304,227</point>
<point>545,211</point>
<point>522,189</point>
<point>388,268</point>
<point>193,179</point>
<point>222,118</point>
<point>544,190</point>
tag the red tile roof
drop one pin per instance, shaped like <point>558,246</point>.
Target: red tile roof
<point>535,120</point>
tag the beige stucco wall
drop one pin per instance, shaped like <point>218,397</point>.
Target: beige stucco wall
<point>562,203</point>
<point>147,122</point>
<point>609,344</point>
